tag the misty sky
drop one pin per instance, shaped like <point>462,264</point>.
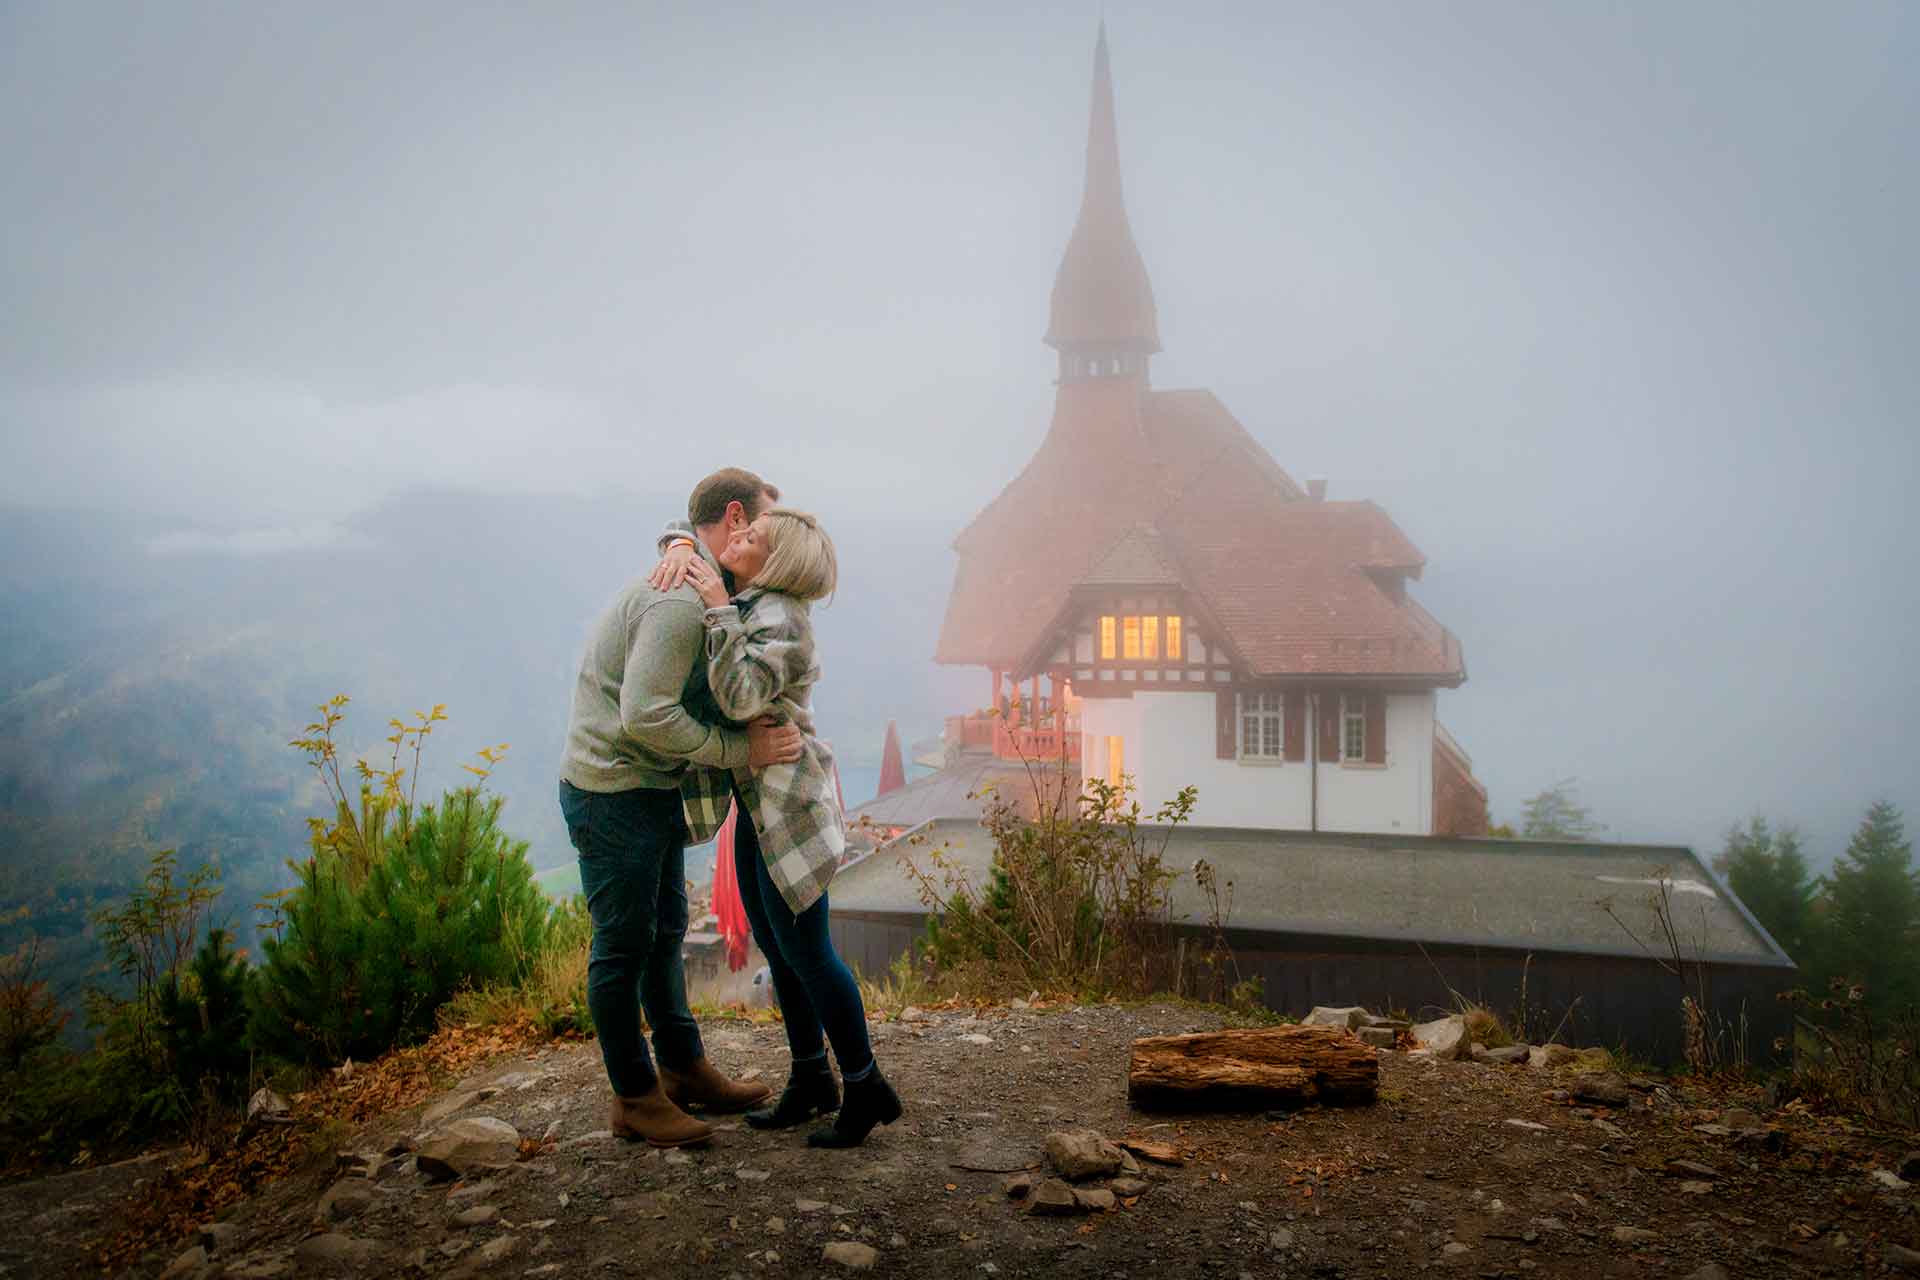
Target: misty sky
<point>1611,306</point>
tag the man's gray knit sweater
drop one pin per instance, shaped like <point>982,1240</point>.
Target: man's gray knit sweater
<point>629,726</point>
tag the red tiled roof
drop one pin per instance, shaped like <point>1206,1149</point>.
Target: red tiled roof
<point>1300,587</point>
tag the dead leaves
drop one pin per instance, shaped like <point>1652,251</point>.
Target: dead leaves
<point>208,1179</point>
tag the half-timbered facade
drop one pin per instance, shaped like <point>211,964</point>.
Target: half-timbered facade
<point>1154,598</point>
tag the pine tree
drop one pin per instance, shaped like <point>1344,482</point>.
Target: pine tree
<point>1766,871</point>
<point>450,903</point>
<point>203,1020</point>
<point>1873,911</point>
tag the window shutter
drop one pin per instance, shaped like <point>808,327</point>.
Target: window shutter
<point>1223,720</point>
<point>1327,711</point>
<point>1376,728</point>
<point>1296,713</point>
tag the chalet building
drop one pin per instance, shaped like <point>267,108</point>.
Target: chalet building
<point>1153,595</point>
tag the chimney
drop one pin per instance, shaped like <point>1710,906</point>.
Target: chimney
<point>1316,488</point>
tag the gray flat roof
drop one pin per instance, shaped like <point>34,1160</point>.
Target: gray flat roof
<point>1545,896</point>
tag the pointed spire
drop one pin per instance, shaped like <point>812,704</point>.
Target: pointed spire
<point>1102,299</point>
<point>893,768</point>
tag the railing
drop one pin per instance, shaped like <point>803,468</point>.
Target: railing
<point>1015,741</point>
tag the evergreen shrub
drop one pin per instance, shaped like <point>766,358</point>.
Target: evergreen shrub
<point>359,968</point>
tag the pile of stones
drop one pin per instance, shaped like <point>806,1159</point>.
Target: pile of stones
<point>1082,1156</point>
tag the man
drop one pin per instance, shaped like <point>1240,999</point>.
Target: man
<point>631,742</point>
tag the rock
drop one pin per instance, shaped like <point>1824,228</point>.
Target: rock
<point>1453,1248</point>
<point>812,1206</point>
<point>348,1198</point>
<point>1740,1118</point>
<point>190,1263</point>
<point>359,1164</point>
<point>1508,1055</point>
<point>1901,1258</point>
<point>1054,1198</point>
<point>851,1254</point>
<point>752,1175</point>
<point>465,1146</point>
<point>1693,1168</point>
<point>1530,1126</point>
<point>259,1267</point>
<point>913,1013</point>
<point>447,1106</point>
<point>1889,1179</point>
<point>216,1236</point>
<point>1445,1038</point>
<point>776,1226</point>
<point>333,1252</point>
<point>1096,1200</point>
<point>268,1107</point>
<point>1634,1235</point>
<point>1082,1153</point>
<point>1377,1037</point>
<point>1478,1052</point>
<point>990,1156</point>
<point>1018,1187</point>
<point>1609,1128</point>
<point>974,1037</point>
<point>472,1191</point>
<point>1545,1057</point>
<point>1605,1089</point>
<point>1351,1017</point>
<point>1127,1188</point>
<point>496,1251</point>
<point>1694,1187</point>
<point>1128,1165</point>
<point>1280,1239</point>
<point>481,1215</point>
<point>1711,1271</point>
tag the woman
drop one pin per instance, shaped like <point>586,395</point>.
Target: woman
<point>791,833</point>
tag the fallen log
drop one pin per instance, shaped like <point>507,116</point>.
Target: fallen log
<point>1252,1070</point>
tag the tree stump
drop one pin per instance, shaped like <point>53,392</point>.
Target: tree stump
<point>1252,1070</point>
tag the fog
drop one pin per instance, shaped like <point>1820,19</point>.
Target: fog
<point>1611,307</point>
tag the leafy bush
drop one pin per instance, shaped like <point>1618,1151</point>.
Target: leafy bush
<point>1078,897</point>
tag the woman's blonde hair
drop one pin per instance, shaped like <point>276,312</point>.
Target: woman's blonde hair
<point>800,558</point>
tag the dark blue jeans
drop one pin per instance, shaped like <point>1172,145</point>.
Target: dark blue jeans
<point>816,989</point>
<point>632,847</point>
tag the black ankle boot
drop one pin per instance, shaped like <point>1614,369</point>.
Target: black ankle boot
<point>809,1093</point>
<point>869,1102</point>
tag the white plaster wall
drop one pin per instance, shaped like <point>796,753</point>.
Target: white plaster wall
<point>1397,796</point>
<point>1170,744</point>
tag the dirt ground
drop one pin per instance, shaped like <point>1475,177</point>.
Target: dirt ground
<point>1435,1177</point>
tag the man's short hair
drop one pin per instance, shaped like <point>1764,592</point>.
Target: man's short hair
<point>708,505</point>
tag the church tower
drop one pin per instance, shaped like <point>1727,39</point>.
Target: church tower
<point>1103,322</point>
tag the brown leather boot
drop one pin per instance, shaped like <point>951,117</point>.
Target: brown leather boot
<point>702,1085</point>
<point>653,1116</point>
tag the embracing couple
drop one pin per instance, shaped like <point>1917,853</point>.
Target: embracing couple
<point>695,691</point>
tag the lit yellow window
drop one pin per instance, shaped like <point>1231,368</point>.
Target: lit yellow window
<point>1106,637</point>
<point>1116,760</point>
<point>1173,638</point>
<point>1130,637</point>
<point>1149,637</point>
